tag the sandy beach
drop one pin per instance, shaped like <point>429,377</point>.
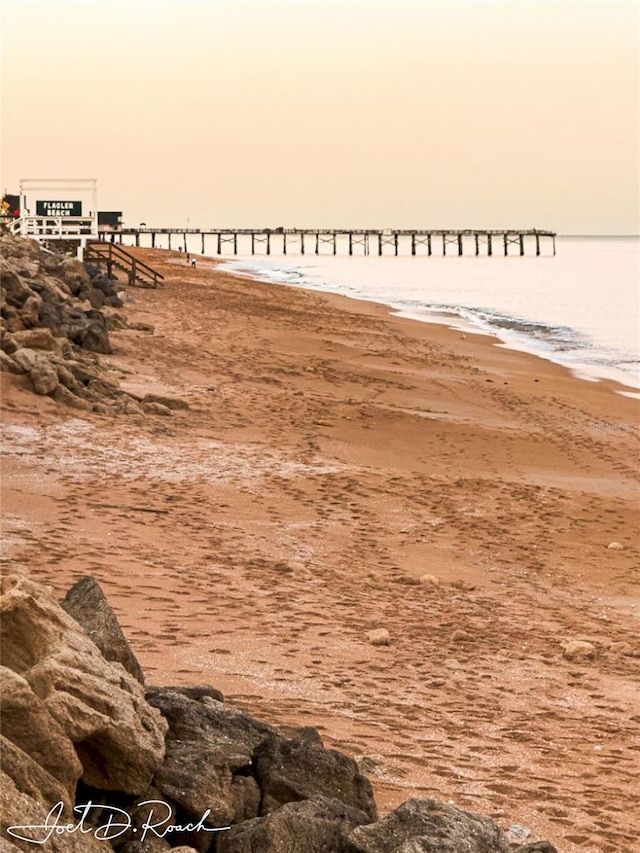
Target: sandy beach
<point>340,470</point>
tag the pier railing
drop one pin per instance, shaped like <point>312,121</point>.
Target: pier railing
<point>363,241</point>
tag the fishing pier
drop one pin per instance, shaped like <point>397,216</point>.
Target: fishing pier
<point>301,241</point>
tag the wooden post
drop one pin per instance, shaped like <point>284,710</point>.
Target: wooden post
<point>169,241</point>
<point>202,242</point>
<point>132,272</point>
<point>489,244</point>
<point>219,243</point>
<point>235,243</point>
<point>379,244</point>
<point>302,243</point>
<point>444,244</point>
<point>459,244</point>
<point>429,245</point>
<point>351,242</point>
<point>413,244</point>
<point>537,245</point>
<point>268,244</point>
<point>521,245</point>
<point>253,243</point>
<point>477,236</point>
<point>554,244</point>
<point>137,238</point>
<point>395,243</point>
<point>506,245</point>
<point>184,239</point>
<point>335,245</point>
<point>284,244</point>
<point>317,244</point>
<point>153,239</point>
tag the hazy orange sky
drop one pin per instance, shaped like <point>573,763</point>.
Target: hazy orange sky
<point>331,114</point>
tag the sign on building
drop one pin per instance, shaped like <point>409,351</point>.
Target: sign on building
<point>58,208</point>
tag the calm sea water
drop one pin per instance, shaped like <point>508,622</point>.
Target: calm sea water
<point>579,308</point>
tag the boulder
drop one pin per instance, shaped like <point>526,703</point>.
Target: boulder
<point>10,365</point>
<point>14,290</point>
<point>95,336</point>
<point>87,604</point>
<point>74,274</point>
<point>29,725</point>
<point>30,777</point>
<point>317,825</point>
<point>44,376</point>
<point>26,358</point>
<point>30,311</point>
<point>379,637</point>
<point>209,754</point>
<point>297,768</point>
<point>536,847</point>
<point>429,826</point>
<point>98,705</point>
<point>578,650</point>
<point>36,339</point>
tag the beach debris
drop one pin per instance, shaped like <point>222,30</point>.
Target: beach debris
<point>379,637</point>
<point>615,546</point>
<point>461,636</point>
<point>578,650</point>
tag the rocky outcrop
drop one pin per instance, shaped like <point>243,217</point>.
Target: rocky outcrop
<point>55,317</point>
<point>176,768</point>
<point>65,705</point>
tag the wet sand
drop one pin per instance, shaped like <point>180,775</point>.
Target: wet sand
<point>332,456</point>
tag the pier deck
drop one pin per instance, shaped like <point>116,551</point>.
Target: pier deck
<point>364,241</point>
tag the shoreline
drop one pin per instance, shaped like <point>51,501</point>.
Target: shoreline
<point>463,319</point>
<point>458,324</point>
<point>341,470</point>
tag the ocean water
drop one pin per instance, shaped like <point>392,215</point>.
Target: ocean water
<point>580,308</point>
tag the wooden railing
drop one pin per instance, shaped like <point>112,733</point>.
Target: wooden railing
<point>113,255</point>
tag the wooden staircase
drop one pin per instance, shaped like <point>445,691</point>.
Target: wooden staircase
<point>112,255</point>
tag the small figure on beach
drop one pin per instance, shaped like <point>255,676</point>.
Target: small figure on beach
<point>188,256</point>
<point>193,262</point>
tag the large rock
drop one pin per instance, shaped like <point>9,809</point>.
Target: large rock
<point>209,755</point>
<point>36,339</point>
<point>44,376</point>
<point>87,604</point>
<point>98,705</point>
<point>317,825</point>
<point>428,826</point>
<point>30,777</point>
<point>28,723</point>
<point>95,336</point>
<point>290,769</point>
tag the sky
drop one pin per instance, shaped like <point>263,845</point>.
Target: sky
<point>434,114</point>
